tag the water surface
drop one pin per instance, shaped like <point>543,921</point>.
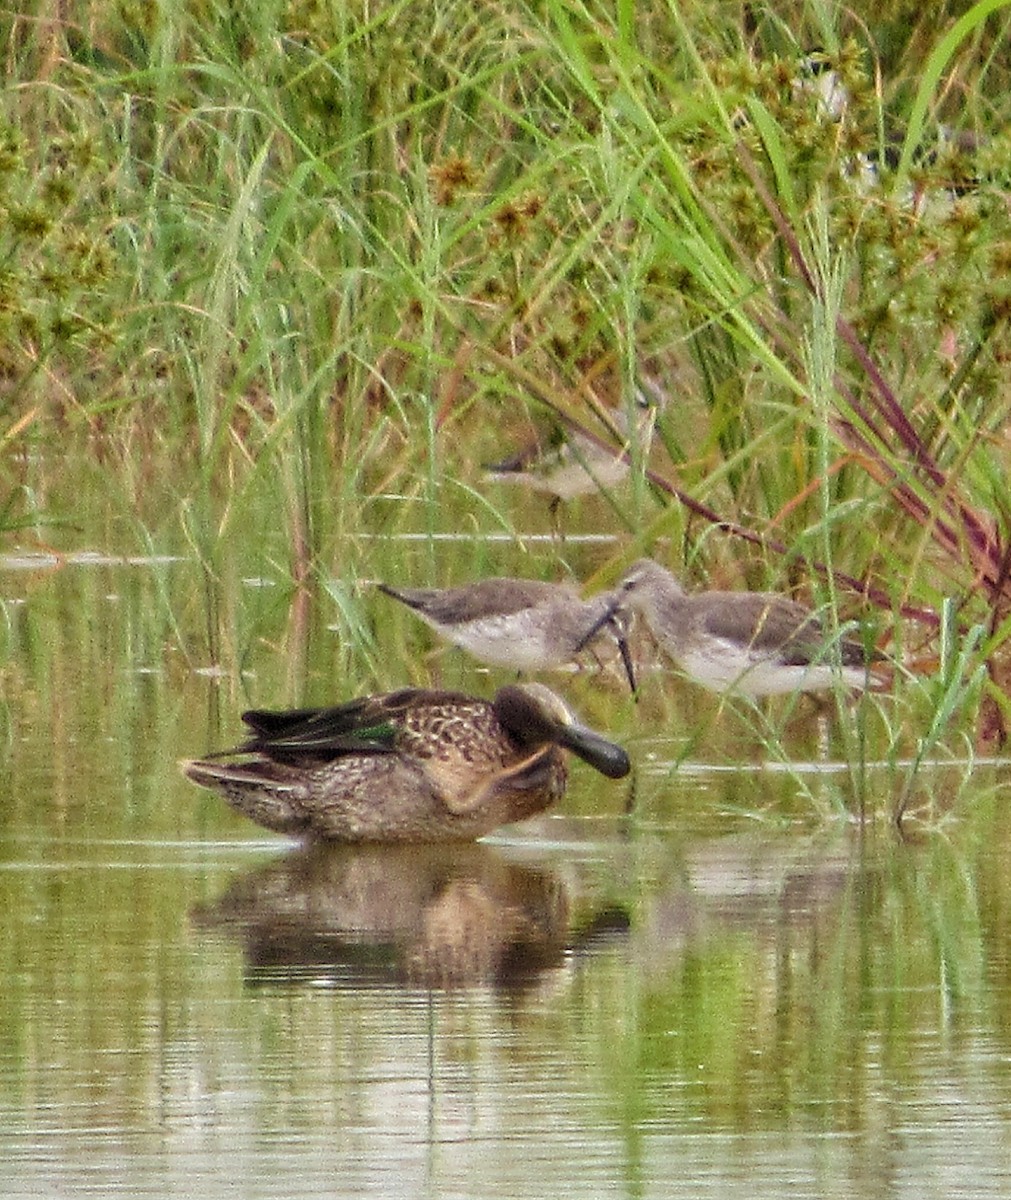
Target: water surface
<point>710,984</point>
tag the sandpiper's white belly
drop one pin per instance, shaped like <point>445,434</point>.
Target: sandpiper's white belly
<point>724,666</point>
<point>516,641</point>
<point>568,475</point>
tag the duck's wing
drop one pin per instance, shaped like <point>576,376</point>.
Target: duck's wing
<point>367,725</point>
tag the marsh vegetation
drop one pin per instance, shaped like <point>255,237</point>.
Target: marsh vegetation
<point>276,284</point>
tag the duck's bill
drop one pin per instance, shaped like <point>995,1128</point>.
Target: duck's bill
<point>604,756</point>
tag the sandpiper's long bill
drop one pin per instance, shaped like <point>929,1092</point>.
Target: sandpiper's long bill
<point>751,643</point>
<point>524,624</point>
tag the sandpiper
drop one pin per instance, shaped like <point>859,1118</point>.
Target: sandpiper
<point>524,624</point>
<point>751,643</point>
<point>406,766</point>
<point>576,465</point>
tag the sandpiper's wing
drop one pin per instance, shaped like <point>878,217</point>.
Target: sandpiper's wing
<point>765,622</point>
<point>531,454</point>
<point>495,597</point>
<point>774,625</point>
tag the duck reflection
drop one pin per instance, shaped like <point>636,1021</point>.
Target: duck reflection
<point>429,916</point>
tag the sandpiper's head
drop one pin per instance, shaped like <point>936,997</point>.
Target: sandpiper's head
<point>534,715</point>
<point>646,588</point>
<point>646,580</point>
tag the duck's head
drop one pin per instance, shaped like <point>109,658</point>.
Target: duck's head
<point>534,716</point>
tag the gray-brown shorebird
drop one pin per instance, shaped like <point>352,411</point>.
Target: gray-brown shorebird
<point>406,766</point>
<point>573,464</point>
<point>751,643</point>
<point>523,624</point>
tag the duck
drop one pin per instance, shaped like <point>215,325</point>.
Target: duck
<point>410,766</point>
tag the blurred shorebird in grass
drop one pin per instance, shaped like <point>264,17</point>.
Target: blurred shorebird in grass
<point>524,624</point>
<point>572,463</point>
<point>406,766</point>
